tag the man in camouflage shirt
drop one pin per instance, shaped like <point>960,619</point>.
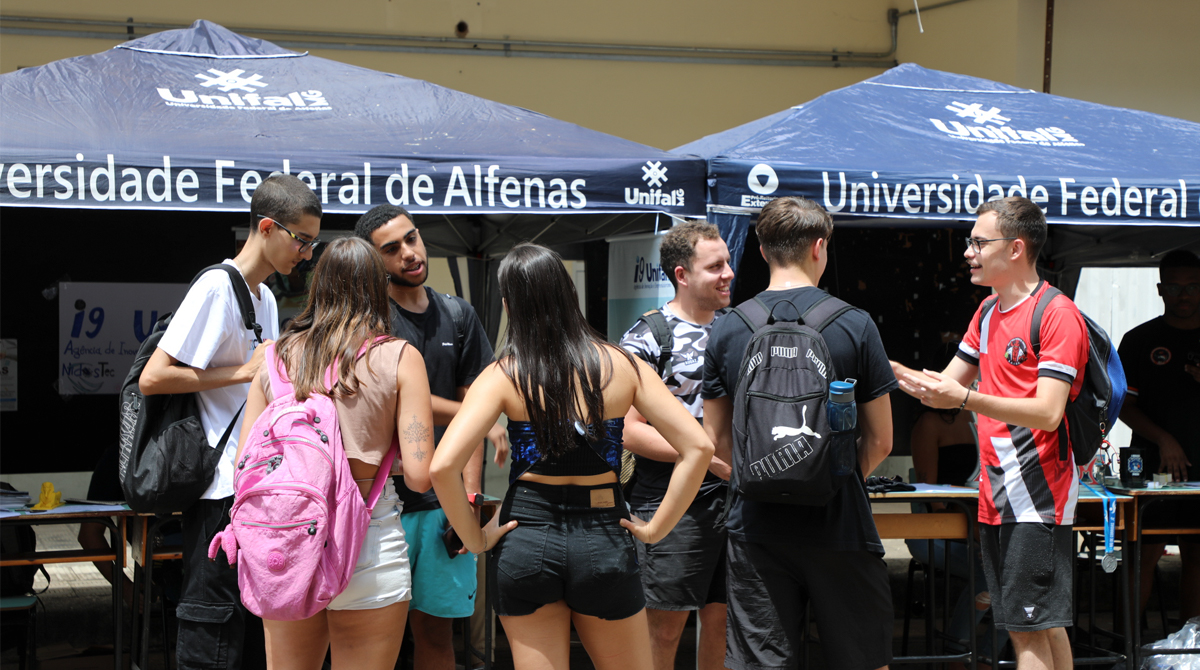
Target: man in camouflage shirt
<point>686,570</point>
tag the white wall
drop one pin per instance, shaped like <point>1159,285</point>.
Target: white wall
<point>1119,299</point>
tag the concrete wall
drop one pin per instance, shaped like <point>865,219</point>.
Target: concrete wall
<point>1138,55</point>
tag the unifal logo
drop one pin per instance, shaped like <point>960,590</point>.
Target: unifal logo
<point>989,126</point>
<point>236,90</point>
<point>654,173</point>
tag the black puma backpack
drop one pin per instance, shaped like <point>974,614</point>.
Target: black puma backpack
<point>783,448</point>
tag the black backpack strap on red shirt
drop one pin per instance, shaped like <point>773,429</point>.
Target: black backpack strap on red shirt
<point>987,307</point>
<point>1035,326</point>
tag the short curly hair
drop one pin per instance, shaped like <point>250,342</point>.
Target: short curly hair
<point>678,246</point>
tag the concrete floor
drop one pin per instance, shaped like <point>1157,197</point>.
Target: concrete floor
<point>75,619</point>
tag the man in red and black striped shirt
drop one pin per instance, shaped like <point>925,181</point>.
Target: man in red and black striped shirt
<point>1027,489</point>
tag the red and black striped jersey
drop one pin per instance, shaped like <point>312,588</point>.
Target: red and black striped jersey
<point>1022,477</point>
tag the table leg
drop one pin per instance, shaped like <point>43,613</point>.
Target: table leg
<point>1128,637</point>
<point>929,596</point>
<point>118,538</point>
<point>1135,604</point>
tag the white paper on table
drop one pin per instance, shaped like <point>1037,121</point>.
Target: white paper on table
<point>940,488</point>
<point>72,509</point>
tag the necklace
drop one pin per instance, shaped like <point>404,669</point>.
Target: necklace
<point>787,285</point>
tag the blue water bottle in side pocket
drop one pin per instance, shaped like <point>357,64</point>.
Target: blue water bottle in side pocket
<point>843,417</point>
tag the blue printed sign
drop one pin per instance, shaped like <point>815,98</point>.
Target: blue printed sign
<point>101,326</point>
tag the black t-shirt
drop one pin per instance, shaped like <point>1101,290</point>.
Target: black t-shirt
<point>845,524</point>
<point>452,360</point>
<point>1153,355</point>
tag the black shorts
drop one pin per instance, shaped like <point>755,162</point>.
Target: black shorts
<point>1029,569</point>
<point>1179,513</point>
<point>769,586</point>
<point>105,484</point>
<point>686,569</point>
<point>564,548</point>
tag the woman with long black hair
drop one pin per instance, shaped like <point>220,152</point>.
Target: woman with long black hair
<point>563,548</point>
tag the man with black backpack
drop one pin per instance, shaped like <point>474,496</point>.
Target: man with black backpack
<point>1028,485</point>
<point>826,550</point>
<point>448,333</point>
<point>207,349</point>
<point>686,570</point>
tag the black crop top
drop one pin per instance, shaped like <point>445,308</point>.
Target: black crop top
<point>603,456</point>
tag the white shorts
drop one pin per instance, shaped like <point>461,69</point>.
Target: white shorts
<point>382,576</point>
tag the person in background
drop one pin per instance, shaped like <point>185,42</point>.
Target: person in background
<point>448,334</point>
<point>563,552</point>
<point>105,486</point>
<point>1162,366</point>
<point>686,570</point>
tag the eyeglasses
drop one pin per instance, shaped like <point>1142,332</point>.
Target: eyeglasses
<point>977,243</point>
<point>305,245</point>
<point>1174,290</point>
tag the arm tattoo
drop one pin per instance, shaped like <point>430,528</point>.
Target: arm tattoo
<point>416,433</point>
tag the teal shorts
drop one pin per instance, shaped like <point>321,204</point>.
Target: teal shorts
<point>441,586</point>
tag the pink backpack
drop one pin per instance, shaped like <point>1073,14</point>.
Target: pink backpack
<point>298,519</point>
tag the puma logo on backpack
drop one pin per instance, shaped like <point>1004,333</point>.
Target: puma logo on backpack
<point>298,519</point>
<point>783,446</point>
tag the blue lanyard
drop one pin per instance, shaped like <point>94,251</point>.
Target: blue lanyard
<point>1110,523</point>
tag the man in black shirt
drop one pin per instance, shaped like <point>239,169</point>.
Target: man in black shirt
<point>451,338</point>
<point>782,556</point>
<point>1162,365</point>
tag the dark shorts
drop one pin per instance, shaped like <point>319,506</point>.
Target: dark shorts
<point>1171,514</point>
<point>1029,569</point>
<point>563,548</point>
<point>686,569</point>
<point>106,480</point>
<point>769,586</point>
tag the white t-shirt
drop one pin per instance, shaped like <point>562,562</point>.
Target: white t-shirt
<point>207,332</point>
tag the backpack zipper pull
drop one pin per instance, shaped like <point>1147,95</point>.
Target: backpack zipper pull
<point>312,527</point>
<point>245,458</point>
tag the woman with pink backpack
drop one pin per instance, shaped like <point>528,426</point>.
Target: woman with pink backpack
<point>563,539</point>
<point>339,349</point>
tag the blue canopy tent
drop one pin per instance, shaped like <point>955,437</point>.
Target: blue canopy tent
<point>194,119</point>
<point>918,147</point>
<point>137,164</point>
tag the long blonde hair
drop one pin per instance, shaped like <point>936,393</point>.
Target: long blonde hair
<point>347,306</point>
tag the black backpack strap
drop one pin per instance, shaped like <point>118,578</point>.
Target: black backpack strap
<point>1035,347</point>
<point>824,311</point>
<point>657,323</point>
<point>460,322</point>
<point>1035,326</point>
<point>243,296</point>
<point>753,313</point>
<point>987,307</point>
